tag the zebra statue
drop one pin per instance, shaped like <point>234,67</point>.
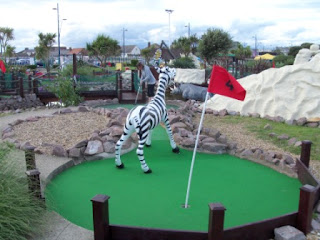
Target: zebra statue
<point>143,119</point>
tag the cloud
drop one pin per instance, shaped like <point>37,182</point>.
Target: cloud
<point>276,22</point>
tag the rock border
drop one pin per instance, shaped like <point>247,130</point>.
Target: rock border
<point>101,144</point>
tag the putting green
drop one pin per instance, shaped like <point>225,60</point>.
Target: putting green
<point>249,191</point>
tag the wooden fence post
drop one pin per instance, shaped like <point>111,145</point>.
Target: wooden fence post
<point>306,202</point>
<point>35,86</point>
<point>216,221</point>
<point>305,152</point>
<point>34,182</point>
<point>30,84</point>
<point>21,91</point>
<point>100,208</point>
<point>132,80</point>
<point>119,82</point>
<point>30,158</point>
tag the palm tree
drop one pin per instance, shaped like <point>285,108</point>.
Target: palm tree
<point>10,51</point>
<point>46,42</point>
<point>6,34</point>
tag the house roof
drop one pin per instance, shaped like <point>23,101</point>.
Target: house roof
<point>77,51</point>
<point>167,54</point>
<point>128,48</point>
<point>26,53</point>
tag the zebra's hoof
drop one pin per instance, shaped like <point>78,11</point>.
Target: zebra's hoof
<point>176,150</point>
<point>147,145</point>
<point>120,166</point>
<point>149,171</point>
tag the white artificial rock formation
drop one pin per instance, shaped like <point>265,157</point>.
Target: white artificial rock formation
<point>291,92</point>
<point>305,55</point>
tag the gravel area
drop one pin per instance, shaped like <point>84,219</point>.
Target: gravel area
<point>64,129</point>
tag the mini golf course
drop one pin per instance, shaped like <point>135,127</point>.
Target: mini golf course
<point>249,191</point>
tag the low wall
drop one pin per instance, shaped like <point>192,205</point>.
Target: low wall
<point>17,102</point>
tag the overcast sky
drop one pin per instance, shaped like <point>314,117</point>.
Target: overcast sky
<point>273,22</point>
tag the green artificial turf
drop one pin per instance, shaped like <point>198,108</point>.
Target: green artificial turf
<point>249,191</point>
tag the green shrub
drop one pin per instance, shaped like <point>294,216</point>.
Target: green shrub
<point>282,60</point>
<point>184,62</point>
<point>20,213</point>
<point>64,90</point>
<point>134,62</point>
<point>81,70</point>
<point>32,67</point>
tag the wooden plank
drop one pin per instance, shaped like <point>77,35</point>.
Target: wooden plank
<point>134,233</point>
<point>260,230</point>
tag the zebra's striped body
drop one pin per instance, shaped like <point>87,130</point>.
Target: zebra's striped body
<point>143,119</point>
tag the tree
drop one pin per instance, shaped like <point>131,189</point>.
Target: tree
<point>306,45</point>
<point>46,42</point>
<point>186,44</point>
<point>293,51</point>
<point>149,52</point>
<point>103,47</point>
<point>194,43</point>
<point>282,60</point>
<point>10,51</point>
<point>6,34</point>
<point>242,52</point>
<point>214,42</point>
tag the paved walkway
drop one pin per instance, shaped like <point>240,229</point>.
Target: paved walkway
<point>57,228</point>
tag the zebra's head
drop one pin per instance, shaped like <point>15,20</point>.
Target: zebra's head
<point>169,72</point>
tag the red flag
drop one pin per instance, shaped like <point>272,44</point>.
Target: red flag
<point>2,66</point>
<point>223,83</point>
<point>273,64</point>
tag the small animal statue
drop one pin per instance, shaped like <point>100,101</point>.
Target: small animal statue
<point>143,119</point>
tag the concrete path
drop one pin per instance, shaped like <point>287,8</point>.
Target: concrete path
<point>56,227</point>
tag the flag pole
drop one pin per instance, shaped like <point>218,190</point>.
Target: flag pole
<point>195,150</point>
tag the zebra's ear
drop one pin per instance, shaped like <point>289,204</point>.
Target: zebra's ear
<point>157,69</point>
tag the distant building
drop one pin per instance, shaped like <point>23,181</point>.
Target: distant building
<point>81,53</point>
<point>64,53</point>
<point>130,51</point>
<point>24,57</point>
<point>166,54</point>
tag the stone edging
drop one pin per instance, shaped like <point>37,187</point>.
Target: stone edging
<point>101,145</point>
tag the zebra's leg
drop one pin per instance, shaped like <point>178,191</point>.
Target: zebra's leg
<point>173,144</point>
<point>144,166</point>
<point>127,131</point>
<point>148,142</point>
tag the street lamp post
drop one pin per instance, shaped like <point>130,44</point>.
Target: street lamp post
<point>123,41</point>
<point>188,26</point>
<point>57,9</point>
<point>169,11</point>
<point>59,30</point>
<point>255,45</point>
